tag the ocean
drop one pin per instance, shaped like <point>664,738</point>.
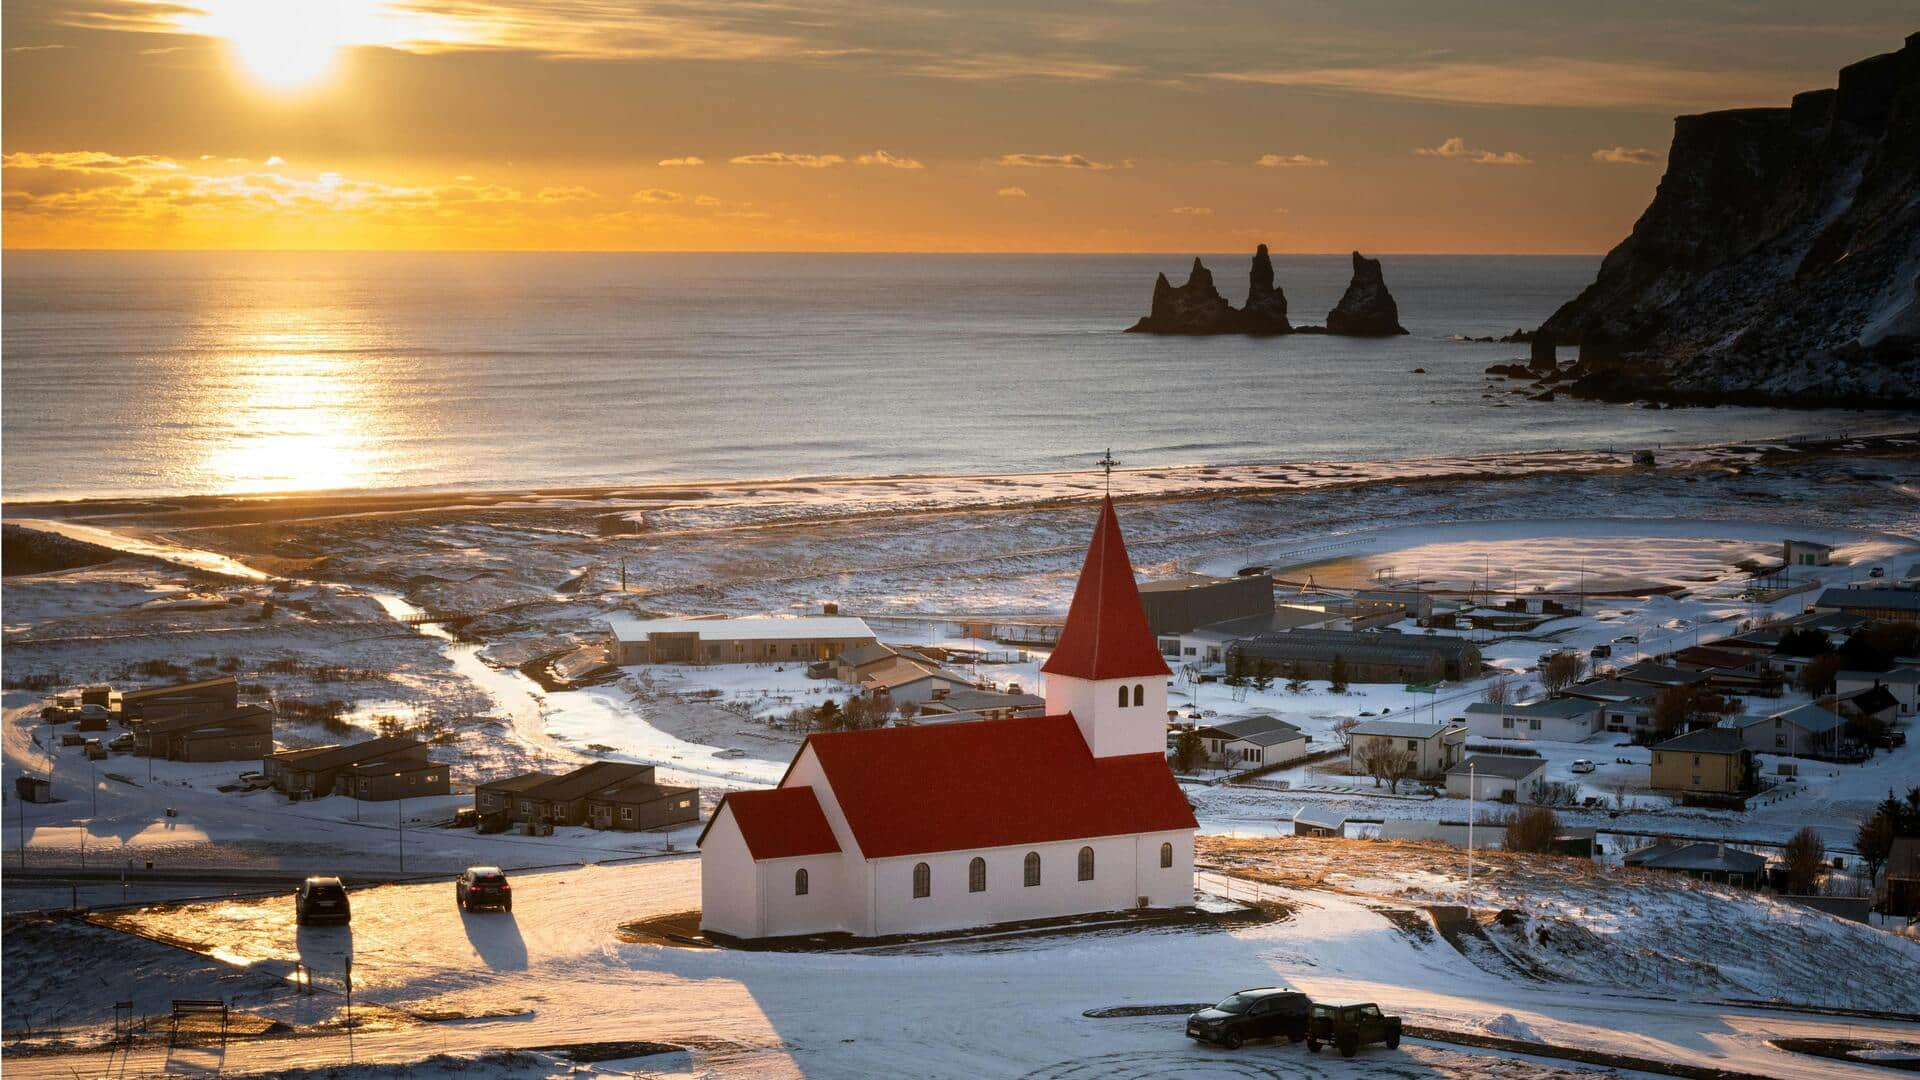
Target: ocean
<point>134,374</point>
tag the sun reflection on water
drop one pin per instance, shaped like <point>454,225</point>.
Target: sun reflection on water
<point>298,410</point>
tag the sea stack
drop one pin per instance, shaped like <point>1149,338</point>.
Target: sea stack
<point>1266,310</point>
<point>1194,308</point>
<point>1367,309</point>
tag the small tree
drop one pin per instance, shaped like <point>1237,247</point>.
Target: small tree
<point>1343,728</point>
<point>1561,670</point>
<point>1806,857</point>
<point>1874,842</point>
<point>1296,679</point>
<point>1263,675</point>
<point>1188,750</point>
<point>1498,692</point>
<point>1817,676</point>
<point>1390,763</point>
<point>1671,710</point>
<point>1337,675</point>
<point>827,716</point>
<point>1532,829</point>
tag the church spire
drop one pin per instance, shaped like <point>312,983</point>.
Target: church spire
<point>1106,635</point>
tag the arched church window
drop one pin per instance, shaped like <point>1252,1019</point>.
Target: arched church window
<point>1166,856</point>
<point>1086,864</point>
<point>1123,697</point>
<point>1033,868</point>
<point>922,880</point>
<point>977,875</point>
<point>800,882</point>
<point>1139,694</point>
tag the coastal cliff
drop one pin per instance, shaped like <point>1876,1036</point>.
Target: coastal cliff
<point>1197,308</point>
<point>1779,261</point>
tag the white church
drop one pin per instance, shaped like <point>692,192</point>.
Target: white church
<point>903,830</point>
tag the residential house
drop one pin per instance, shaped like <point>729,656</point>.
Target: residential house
<point>202,697</point>
<point>1802,731</point>
<point>1703,861</point>
<point>236,734</point>
<point>1498,778</point>
<point>1807,553</point>
<point>1567,719</point>
<point>982,705</point>
<point>1902,682</point>
<point>1709,761</point>
<point>911,681</point>
<point>639,803</point>
<point>855,664</point>
<point>1890,604</point>
<point>1435,747</point>
<point>1253,742</point>
<point>1875,703</point>
<point>502,797</point>
<point>1660,676</point>
<point>395,767</point>
<point>759,640</point>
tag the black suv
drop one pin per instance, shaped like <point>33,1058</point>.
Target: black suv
<point>321,899</point>
<point>482,886</point>
<point>1271,1012</point>
<point>1349,1027</point>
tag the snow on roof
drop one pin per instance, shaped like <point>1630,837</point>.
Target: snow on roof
<point>1561,708</point>
<point>992,783</point>
<point>1401,729</point>
<point>1871,599</point>
<point>1653,674</point>
<point>1319,818</point>
<point>777,823</point>
<point>1106,635</point>
<point>1704,857</point>
<point>1811,719</point>
<point>1612,690</point>
<point>1899,676</point>
<point>1258,730</point>
<point>1507,766</point>
<point>1710,740</point>
<point>754,628</point>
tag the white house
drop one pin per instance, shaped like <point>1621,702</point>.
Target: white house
<point>1434,747</point>
<point>1253,742</point>
<point>732,641</point>
<point>914,829</point>
<point>1558,720</point>
<point>1802,730</point>
<point>1902,682</point>
<point>1497,778</point>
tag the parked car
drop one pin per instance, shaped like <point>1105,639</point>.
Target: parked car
<point>72,738</point>
<point>1628,639</point>
<point>1270,1012</point>
<point>321,899</point>
<point>730,753</point>
<point>1347,1028</point>
<point>94,750</point>
<point>1877,572</point>
<point>482,886</point>
<point>93,717</point>
<point>122,742</point>
<point>59,710</point>
<point>255,780</point>
<point>1600,651</point>
<point>1583,765</point>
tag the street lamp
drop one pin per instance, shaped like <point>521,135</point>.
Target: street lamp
<point>1472,784</point>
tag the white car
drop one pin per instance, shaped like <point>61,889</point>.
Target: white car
<point>254,781</point>
<point>1584,766</point>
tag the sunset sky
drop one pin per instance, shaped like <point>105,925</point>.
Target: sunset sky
<point>1127,125</point>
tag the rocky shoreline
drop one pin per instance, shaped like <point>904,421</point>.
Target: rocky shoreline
<point>1197,309</point>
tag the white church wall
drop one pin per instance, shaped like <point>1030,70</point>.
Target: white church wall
<point>1110,728</point>
<point>729,880</point>
<point>1125,869</point>
<point>821,909</point>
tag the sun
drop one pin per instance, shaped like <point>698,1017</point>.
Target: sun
<point>282,44</point>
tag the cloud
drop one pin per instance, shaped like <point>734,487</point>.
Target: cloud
<point>1556,81</point>
<point>276,160</point>
<point>1627,155</point>
<point>34,48</point>
<point>1192,211</point>
<point>1051,161</point>
<point>983,67</point>
<point>804,161</point>
<point>1457,147</point>
<point>657,196</point>
<point>1289,161</point>
<point>682,162</point>
<point>881,157</point>
<point>1012,193</point>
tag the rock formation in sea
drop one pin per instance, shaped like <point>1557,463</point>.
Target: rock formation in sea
<point>1779,260</point>
<point>1266,309</point>
<point>1194,308</point>
<point>1367,308</point>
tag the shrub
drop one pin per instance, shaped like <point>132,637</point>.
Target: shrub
<point>1532,829</point>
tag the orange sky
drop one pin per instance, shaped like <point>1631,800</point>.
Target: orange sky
<point>1096,125</point>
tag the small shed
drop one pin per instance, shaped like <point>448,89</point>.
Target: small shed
<point>1808,553</point>
<point>33,789</point>
<point>1320,823</point>
<point>1497,778</point>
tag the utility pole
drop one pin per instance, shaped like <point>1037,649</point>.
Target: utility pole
<point>1472,790</point>
<point>623,575</point>
<point>22,800</point>
<point>400,823</point>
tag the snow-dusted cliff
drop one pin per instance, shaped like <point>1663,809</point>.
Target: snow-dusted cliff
<point>1779,260</point>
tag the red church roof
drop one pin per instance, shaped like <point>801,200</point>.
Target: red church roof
<point>1106,635</point>
<point>991,783</point>
<point>778,823</point>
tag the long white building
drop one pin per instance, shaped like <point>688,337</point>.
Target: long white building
<point>902,830</point>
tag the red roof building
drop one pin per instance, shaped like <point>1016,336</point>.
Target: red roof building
<point>1106,635</point>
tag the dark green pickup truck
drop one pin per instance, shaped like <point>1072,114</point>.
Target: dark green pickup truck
<point>1347,1028</point>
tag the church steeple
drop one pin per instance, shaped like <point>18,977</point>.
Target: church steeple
<point>1106,635</point>
<point>1106,669</point>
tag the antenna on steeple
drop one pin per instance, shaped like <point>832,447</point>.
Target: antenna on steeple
<point>1107,463</point>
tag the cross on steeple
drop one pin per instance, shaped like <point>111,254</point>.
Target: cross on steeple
<point>1107,463</point>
